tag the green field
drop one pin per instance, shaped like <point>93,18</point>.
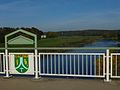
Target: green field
<point>68,41</point>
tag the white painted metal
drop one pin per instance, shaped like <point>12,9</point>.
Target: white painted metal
<point>6,59</point>
<point>86,65</point>
<point>39,64</point>
<point>47,64</point>
<point>13,53</point>
<point>58,64</point>
<point>36,65</point>
<point>111,65</point>
<point>91,65</point>
<point>62,64</point>
<point>107,66</point>
<point>82,66</point>
<point>115,75</point>
<point>103,65</point>
<point>78,64</point>
<point>51,64</point>
<point>43,64</point>
<point>72,67</point>
<point>115,53</point>
<point>66,65</point>
<point>55,63</point>
<point>73,75</point>
<point>74,53</point>
<point>71,59</point>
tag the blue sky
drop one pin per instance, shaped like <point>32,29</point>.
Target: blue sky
<point>59,15</point>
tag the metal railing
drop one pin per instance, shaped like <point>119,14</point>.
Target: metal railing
<point>115,65</point>
<point>71,62</point>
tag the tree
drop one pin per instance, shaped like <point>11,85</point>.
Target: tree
<point>52,34</point>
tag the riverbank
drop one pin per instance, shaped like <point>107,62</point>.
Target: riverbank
<point>68,41</point>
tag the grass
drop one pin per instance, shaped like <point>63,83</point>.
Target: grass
<point>68,41</point>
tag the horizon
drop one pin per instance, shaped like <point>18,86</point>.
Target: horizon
<point>61,15</point>
<point>65,30</point>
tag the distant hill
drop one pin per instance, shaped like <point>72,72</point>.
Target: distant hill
<point>89,32</point>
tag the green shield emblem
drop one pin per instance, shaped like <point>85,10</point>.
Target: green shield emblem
<point>21,63</point>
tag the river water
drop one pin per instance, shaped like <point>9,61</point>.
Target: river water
<point>99,44</point>
<point>103,43</point>
<point>59,65</point>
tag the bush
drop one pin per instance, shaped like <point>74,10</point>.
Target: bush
<point>52,34</point>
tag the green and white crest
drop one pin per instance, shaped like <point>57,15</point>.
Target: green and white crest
<point>21,63</point>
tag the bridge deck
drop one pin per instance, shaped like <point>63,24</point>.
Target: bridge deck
<point>21,83</point>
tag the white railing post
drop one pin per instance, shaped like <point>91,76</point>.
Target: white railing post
<point>107,67</point>
<point>6,58</point>
<point>36,65</point>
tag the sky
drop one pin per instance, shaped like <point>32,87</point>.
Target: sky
<point>60,15</point>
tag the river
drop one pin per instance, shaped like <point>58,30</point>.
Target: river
<point>99,44</point>
<point>103,43</point>
<point>55,62</point>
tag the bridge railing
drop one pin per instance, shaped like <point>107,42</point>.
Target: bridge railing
<point>115,65</point>
<point>78,62</point>
<point>72,64</point>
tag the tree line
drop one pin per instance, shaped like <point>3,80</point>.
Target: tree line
<point>107,34</point>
